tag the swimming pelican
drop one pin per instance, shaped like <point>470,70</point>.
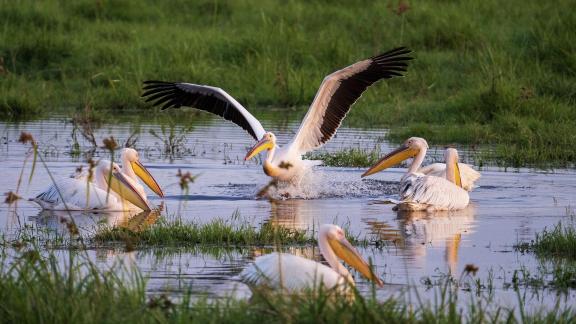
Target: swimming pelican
<point>467,173</point>
<point>425,192</point>
<point>108,190</point>
<point>294,273</point>
<point>337,93</point>
<point>133,168</point>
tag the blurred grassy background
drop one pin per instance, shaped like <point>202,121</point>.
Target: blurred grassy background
<point>487,72</point>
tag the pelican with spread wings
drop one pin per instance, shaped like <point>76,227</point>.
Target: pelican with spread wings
<point>337,93</point>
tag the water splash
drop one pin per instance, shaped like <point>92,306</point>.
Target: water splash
<point>317,184</point>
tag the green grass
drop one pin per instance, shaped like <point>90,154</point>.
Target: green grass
<point>557,242</point>
<point>348,158</point>
<point>37,287</point>
<point>217,232</point>
<point>487,72</point>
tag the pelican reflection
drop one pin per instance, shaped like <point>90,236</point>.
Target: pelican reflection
<point>417,231</point>
<point>291,214</point>
<point>88,222</point>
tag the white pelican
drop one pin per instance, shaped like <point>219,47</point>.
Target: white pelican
<point>293,273</point>
<point>108,190</point>
<point>336,95</point>
<point>132,167</point>
<point>425,192</point>
<point>467,173</point>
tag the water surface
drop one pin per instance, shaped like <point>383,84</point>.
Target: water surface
<point>506,208</point>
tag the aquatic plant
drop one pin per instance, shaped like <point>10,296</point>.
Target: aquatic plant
<point>557,242</point>
<point>352,157</point>
<point>37,286</point>
<point>216,232</point>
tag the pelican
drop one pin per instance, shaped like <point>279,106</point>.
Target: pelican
<point>419,191</point>
<point>337,93</point>
<point>467,173</point>
<point>293,273</point>
<point>110,190</point>
<point>132,167</point>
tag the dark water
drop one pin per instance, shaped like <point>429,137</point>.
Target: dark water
<point>506,208</point>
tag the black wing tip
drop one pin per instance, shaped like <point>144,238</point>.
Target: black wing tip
<point>396,54</point>
<point>152,87</point>
<point>158,82</point>
<point>394,62</point>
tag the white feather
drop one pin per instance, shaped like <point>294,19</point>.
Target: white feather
<point>77,194</point>
<point>83,193</point>
<point>468,175</point>
<point>308,137</point>
<point>423,192</point>
<point>290,272</point>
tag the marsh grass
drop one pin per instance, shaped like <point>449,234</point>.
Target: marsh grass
<point>217,232</point>
<point>36,286</point>
<point>353,157</point>
<point>556,274</point>
<point>557,242</point>
<point>487,72</point>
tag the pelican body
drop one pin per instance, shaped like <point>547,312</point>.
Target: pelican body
<point>419,191</point>
<point>336,95</point>
<point>110,189</point>
<point>291,273</point>
<point>468,175</point>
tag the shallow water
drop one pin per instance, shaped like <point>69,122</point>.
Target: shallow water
<point>506,208</point>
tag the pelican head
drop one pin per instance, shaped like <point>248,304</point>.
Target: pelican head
<point>131,156</point>
<point>120,183</point>
<point>410,148</point>
<point>333,242</point>
<point>267,142</point>
<point>452,169</point>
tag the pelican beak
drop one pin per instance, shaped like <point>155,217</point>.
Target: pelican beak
<point>391,159</point>
<point>122,185</point>
<point>457,176</point>
<point>264,144</point>
<point>148,179</point>
<point>345,251</point>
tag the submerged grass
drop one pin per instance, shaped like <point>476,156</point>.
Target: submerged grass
<point>486,72</point>
<point>557,274</point>
<point>558,242</point>
<point>36,287</point>
<point>84,294</point>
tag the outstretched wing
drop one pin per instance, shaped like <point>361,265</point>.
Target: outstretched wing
<point>339,91</point>
<point>206,98</point>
